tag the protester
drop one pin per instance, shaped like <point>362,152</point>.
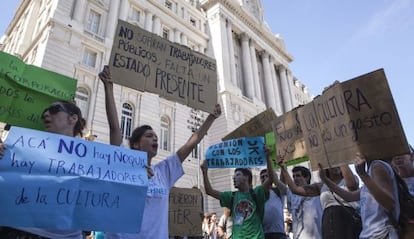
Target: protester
<point>205,225</point>
<point>273,221</point>
<point>246,204</point>
<point>403,164</point>
<point>337,221</point>
<point>213,226</point>
<point>225,224</point>
<point>162,176</point>
<point>306,211</point>
<point>378,198</point>
<point>64,118</point>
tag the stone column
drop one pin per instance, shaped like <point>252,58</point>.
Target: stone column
<point>201,49</point>
<point>148,21</point>
<point>177,35</point>
<point>285,88</point>
<point>184,40</point>
<point>123,12</point>
<point>156,28</point>
<point>255,71</point>
<point>80,7</point>
<point>112,18</point>
<point>247,67</point>
<point>268,86</point>
<point>291,87</point>
<point>220,47</point>
<point>232,64</point>
<point>275,78</point>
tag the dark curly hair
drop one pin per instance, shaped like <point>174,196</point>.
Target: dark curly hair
<point>137,134</point>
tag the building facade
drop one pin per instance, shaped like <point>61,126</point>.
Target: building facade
<point>74,38</point>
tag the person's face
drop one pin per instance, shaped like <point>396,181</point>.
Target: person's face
<point>239,179</point>
<point>58,119</point>
<point>213,217</point>
<point>299,179</point>
<point>263,177</point>
<point>148,143</point>
<point>402,161</point>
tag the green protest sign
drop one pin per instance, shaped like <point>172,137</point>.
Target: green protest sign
<point>271,143</point>
<point>25,90</point>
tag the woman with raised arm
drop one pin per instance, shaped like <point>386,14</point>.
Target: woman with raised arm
<point>336,218</point>
<point>61,117</point>
<point>378,198</point>
<point>162,176</point>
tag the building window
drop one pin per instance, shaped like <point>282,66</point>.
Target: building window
<point>126,120</point>
<point>94,20</point>
<point>82,100</point>
<point>165,137</point>
<point>168,4</point>
<point>193,22</point>
<point>136,15</point>
<point>165,33</point>
<point>89,58</point>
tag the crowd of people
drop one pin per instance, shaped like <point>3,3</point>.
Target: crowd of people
<point>336,207</point>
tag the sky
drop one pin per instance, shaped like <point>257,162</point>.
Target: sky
<point>339,40</point>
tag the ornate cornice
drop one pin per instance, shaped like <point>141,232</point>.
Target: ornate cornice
<point>250,21</point>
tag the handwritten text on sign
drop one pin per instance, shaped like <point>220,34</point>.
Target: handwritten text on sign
<point>358,115</point>
<point>144,61</point>
<point>61,182</point>
<point>186,205</point>
<point>26,90</point>
<point>237,153</point>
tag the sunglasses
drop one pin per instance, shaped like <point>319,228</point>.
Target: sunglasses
<point>56,108</point>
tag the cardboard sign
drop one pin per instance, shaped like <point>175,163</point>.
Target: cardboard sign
<point>186,212</point>
<point>26,90</point>
<point>290,144</point>
<point>59,182</point>
<point>358,115</point>
<point>237,153</point>
<point>146,62</point>
<point>256,126</point>
<point>271,143</point>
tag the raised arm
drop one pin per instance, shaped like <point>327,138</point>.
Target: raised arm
<point>270,171</point>
<point>350,179</point>
<point>306,190</point>
<point>348,196</point>
<point>379,184</point>
<point>115,136</point>
<point>280,185</point>
<point>207,186</point>
<point>197,136</point>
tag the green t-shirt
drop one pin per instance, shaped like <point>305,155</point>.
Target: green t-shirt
<point>247,216</point>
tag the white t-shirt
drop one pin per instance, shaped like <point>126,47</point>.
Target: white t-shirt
<point>328,199</point>
<point>375,220</point>
<point>155,218</point>
<point>273,217</point>
<point>306,216</point>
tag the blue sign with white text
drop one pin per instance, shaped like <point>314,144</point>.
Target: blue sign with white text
<point>59,182</point>
<point>237,153</point>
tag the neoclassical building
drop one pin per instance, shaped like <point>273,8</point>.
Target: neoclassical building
<point>74,38</point>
